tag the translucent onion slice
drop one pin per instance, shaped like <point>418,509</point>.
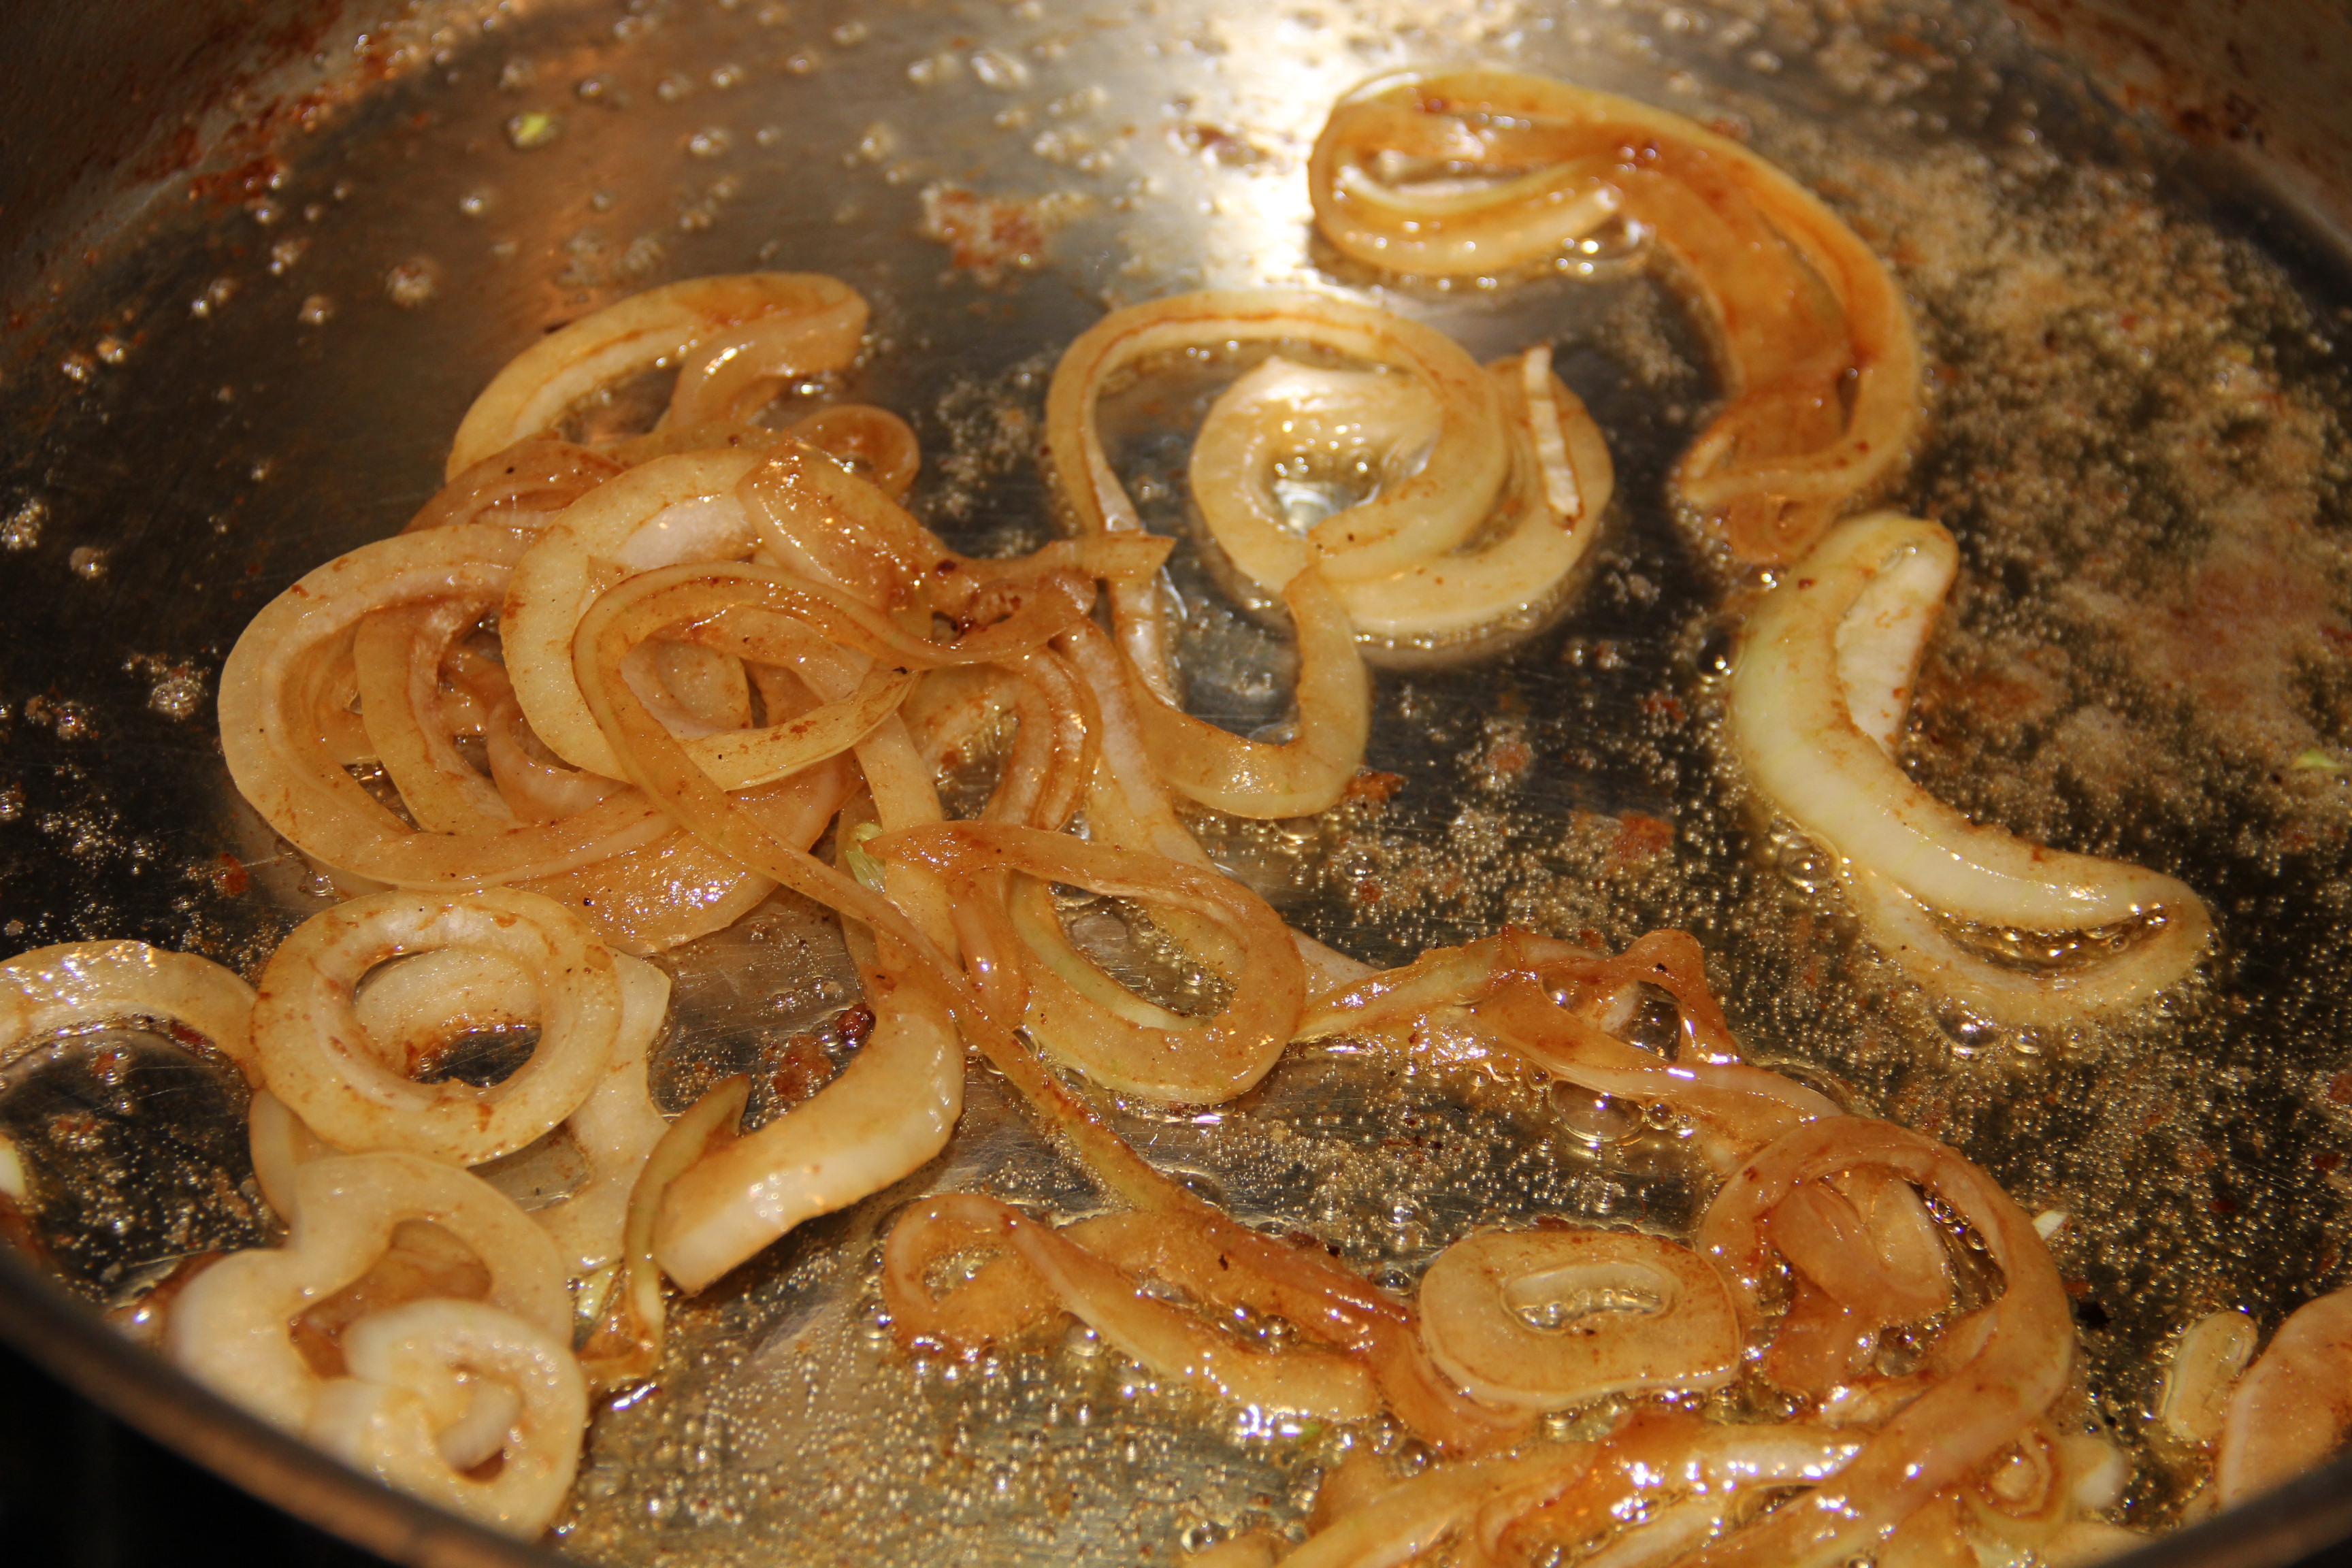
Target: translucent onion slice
<point>520,488</point>
<point>49,990</point>
<point>230,1326</point>
<point>1818,687</point>
<point>888,1113</point>
<point>662,511</point>
<point>1500,584</point>
<point>2010,1361</point>
<point>1162,1336</point>
<point>2292,1409</point>
<point>1429,511</point>
<point>317,1057</point>
<point>1543,1320</point>
<point>625,1345</point>
<point>1264,778</point>
<point>1130,1045</point>
<point>734,336</point>
<point>2193,1401</point>
<point>1870,1245</point>
<point>419,1375</point>
<point>272,689</point>
<point>1816,347</point>
<point>397,654</point>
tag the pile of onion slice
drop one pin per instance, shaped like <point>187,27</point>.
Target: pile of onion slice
<point>600,699</point>
<point>1821,364</point>
<point>1819,689</point>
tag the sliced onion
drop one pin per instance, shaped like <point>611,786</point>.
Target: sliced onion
<point>270,697</point>
<point>415,1370</point>
<point>1821,361</point>
<point>317,1057</point>
<point>1130,1045</point>
<point>669,509</point>
<point>520,488</point>
<point>2193,1402</point>
<point>1263,779</point>
<point>1496,586</point>
<point>889,1111</point>
<point>736,336</point>
<point>2292,1409</point>
<point>230,1326</point>
<point>49,990</point>
<point>1324,1298</point>
<point>1544,1320</point>
<point>1822,672</point>
<point>625,1345</point>
<point>1163,1337</point>
<point>2018,1350</point>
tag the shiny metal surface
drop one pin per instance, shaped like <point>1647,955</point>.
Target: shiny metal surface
<point>2139,402</point>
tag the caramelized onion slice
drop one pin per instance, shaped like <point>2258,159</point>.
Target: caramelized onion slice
<point>1818,352</point>
<point>1163,1337</point>
<point>270,697</point>
<point>1496,586</point>
<point>669,509</point>
<point>888,1112</point>
<point>1265,779</point>
<point>1138,1049</point>
<point>2012,1358</point>
<point>317,1057</point>
<point>732,334</point>
<point>1432,509</point>
<point>1818,684</point>
<point>1543,1320</point>
<point>520,488</point>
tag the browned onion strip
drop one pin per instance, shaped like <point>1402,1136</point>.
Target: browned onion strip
<point>1164,1058</point>
<point>271,741</point>
<point>1503,585</point>
<point>520,488</point>
<point>736,336</point>
<point>1162,1336</point>
<point>872,443</point>
<point>1798,303</point>
<point>1321,1296</point>
<point>2023,1353</point>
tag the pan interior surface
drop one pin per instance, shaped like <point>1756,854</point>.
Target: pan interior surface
<point>2137,408</point>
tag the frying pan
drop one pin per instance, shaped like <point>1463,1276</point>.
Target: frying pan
<point>258,256</point>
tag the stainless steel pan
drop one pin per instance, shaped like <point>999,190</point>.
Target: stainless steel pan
<point>257,257</point>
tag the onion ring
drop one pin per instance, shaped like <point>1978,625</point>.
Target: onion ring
<point>51,989</point>
<point>318,1058</point>
<point>268,698</point>
<point>1162,1336</point>
<point>1544,1320</point>
<point>422,1373</point>
<point>229,1326</point>
<point>2292,1408</point>
<point>1799,303</point>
